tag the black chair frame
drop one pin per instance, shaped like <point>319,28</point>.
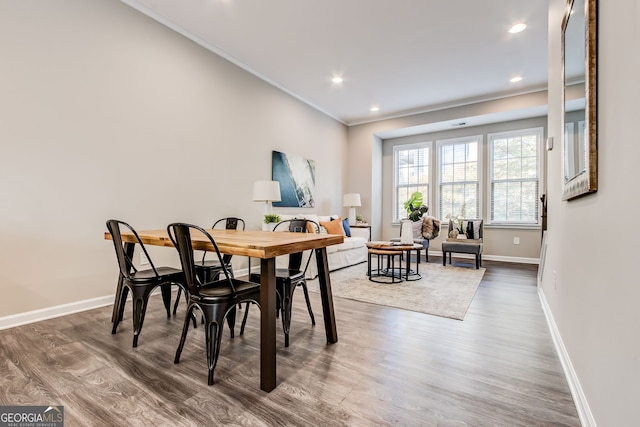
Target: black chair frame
<point>288,279</point>
<point>209,270</point>
<point>216,300</point>
<point>140,282</point>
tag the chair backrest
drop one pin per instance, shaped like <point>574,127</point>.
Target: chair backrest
<point>472,227</point>
<point>230,223</point>
<point>180,235</point>
<point>298,226</point>
<point>125,261</point>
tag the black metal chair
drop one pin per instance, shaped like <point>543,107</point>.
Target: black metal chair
<point>210,269</point>
<point>288,279</point>
<point>140,282</point>
<point>216,300</point>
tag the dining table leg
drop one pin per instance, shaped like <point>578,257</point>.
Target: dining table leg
<point>128,250</point>
<point>267,324</point>
<point>326,296</point>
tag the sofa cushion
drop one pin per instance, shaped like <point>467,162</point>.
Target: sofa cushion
<point>331,249</point>
<point>334,227</point>
<point>347,229</point>
<point>358,242</point>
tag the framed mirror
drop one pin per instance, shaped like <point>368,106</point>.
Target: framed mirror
<point>579,68</point>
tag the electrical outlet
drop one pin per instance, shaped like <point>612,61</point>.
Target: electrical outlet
<point>143,259</point>
<point>555,283</point>
<point>516,240</point>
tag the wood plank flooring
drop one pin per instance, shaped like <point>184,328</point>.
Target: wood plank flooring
<point>498,367</point>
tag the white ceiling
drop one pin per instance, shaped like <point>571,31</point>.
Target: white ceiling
<point>405,56</point>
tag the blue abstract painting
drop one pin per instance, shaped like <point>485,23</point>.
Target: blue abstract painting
<point>297,178</point>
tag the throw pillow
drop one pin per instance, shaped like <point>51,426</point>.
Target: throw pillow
<point>313,227</point>
<point>472,229</point>
<point>430,227</point>
<point>334,226</point>
<point>347,229</point>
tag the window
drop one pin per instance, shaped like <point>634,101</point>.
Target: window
<point>411,166</point>
<point>459,171</point>
<point>514,167</point>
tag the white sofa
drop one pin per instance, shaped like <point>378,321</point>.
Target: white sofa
<point>352,251</point>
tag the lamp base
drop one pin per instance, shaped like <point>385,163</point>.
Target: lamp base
<point>352,216</point>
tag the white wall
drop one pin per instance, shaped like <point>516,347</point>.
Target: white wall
<point>590,278</point>
<point>106,113</point>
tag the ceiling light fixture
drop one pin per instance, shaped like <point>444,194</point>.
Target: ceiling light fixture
<point>374,109</point>
<point>517,28</point>
<point>515,79</point>
<point>337,80</point>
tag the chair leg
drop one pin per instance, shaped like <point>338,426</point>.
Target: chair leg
<point>214,316</point>
<point>122,300</point>
<point>175,306</point>
<point>306,297</point>
<point>287,291</point>
<point>231,320</point>
<point>244,318</point>
<point>166,297</point>
<point>185,329</point>
<point>477,261</point>
<point>140,299</point>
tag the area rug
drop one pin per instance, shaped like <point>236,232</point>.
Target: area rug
<point>442,291</point>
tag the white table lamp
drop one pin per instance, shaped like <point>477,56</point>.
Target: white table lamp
<point>351,200</point>
<point>267,192</point>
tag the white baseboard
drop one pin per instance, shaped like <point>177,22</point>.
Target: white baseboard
<point>19,319</point>
<point>27,317</point>
<point>580,400</point>
<point>515,259</point>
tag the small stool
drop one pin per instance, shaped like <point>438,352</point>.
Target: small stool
<point>383,274</point>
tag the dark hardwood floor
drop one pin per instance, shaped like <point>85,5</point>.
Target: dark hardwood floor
<point>498,367</point>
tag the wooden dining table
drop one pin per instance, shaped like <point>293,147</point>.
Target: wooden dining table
<point>266,246</point>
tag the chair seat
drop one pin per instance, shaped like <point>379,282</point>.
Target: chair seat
<point>220,290</point>
<point>167,274</point>
<point>210,264</point>
<point>462,247</point>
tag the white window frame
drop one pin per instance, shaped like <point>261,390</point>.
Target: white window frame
<point>539,132</point>
<point>479,139</point>
<point>427,197</point>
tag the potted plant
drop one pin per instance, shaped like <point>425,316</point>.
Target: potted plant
<point>270,221</point>
<point>415,208</point>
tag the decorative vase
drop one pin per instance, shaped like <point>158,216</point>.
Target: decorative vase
<point>406,233</point>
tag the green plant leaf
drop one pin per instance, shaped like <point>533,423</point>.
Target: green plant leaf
<point>414,200</point>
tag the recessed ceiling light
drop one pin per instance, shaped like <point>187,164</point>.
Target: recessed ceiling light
<point>337,79</point>
<point>374,109</point>
<point>517,28</point>
<point>515,79</point>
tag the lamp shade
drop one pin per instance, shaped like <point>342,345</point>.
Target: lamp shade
<point>266,191</point>
<point>351,199</point>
